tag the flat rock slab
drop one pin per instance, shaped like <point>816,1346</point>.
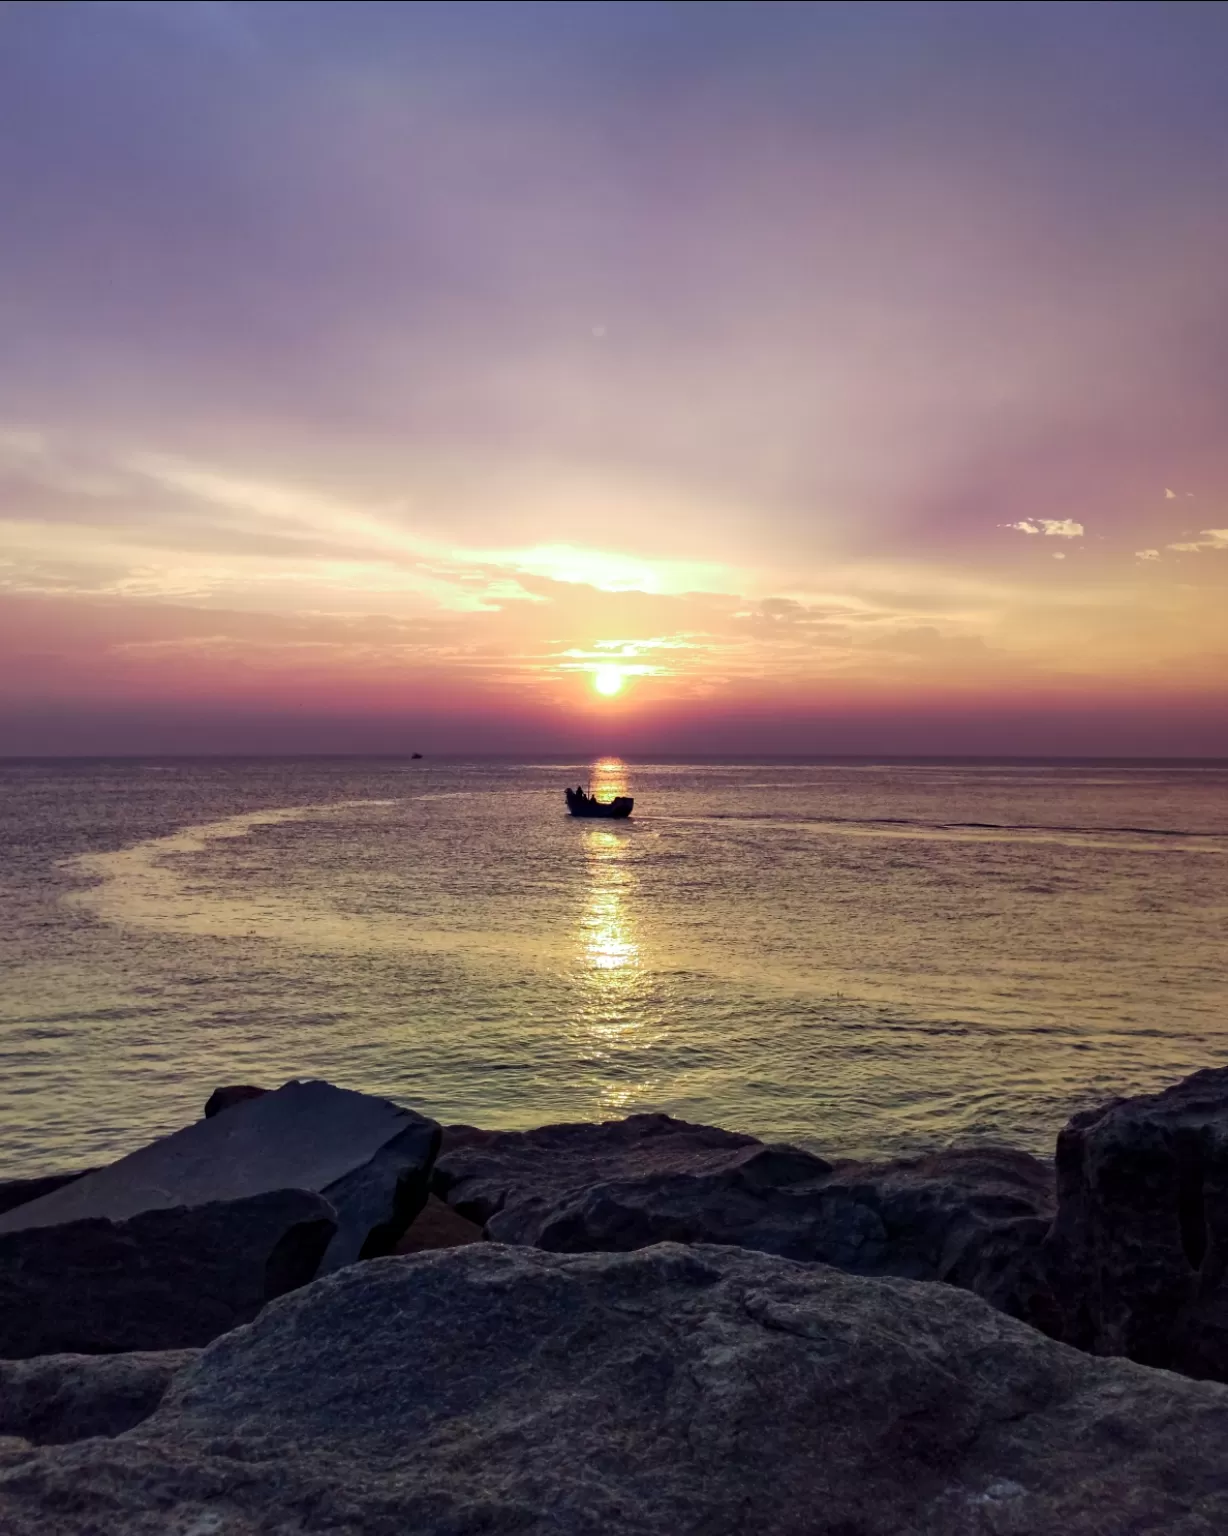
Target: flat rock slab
<point>57,1399</point>
<point>480,1173</point>
<point>1139,1250</point>
<point>15,1192</point>
<point>369,1158</point>
<point>166,1279</point>
<point>673,1390</point>
<point>972,1217</point>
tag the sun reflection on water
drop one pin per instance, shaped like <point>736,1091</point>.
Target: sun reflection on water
<point>609,944</point>
<point>617,1022</point>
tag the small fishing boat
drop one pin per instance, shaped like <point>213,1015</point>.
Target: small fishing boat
<point>580,804</point>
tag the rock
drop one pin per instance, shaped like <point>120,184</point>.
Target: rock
<point>438,1226</point>
<point>15,1192</point>
<point>166,1279</point>
<point>59,1398</point>
<point>671,1390</point>
<point>481,1172</point>
<point>1139,1248</point>
<point>227,1098</point>
<point>975,1217</point>
<point>370,1159</point>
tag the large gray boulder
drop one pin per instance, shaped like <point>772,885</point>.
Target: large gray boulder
<point>56,1399</point>
<point>370,1159</point>
<point>974,1218</point>
<point>163,1280</point>
<point>672,1390</point>
<point>1139,1249</point>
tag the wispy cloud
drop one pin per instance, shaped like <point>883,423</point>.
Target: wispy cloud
<point>438,383</point>
<point>1051,527</point>
<point>1209,538</point>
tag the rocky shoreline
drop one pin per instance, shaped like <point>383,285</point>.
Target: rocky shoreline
<point>314,1310</point>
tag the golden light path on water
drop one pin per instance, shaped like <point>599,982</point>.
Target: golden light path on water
<point>860,958</point>
<point>608,942</point>
<point>616,1021</point>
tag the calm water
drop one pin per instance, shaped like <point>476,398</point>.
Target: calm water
<point>861,958</point>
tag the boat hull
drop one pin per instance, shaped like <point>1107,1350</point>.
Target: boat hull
<point>617,809</point>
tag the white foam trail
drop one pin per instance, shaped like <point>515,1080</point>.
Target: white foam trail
<point>149,886</point>
<point>139,888</point>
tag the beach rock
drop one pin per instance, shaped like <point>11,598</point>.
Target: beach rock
<point>166,1279</point>
<point>1139,1248</point>
<point>480,1173</point>
<point>972,1218</point>
<point>227,1098</point>
<point>56,1399</point>
<point>500,1390</point>
<point>369,1158</point>
<point>975,1217</point>
<point>15,1192</point>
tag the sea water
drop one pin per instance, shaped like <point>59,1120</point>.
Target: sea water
<point>861,957</point>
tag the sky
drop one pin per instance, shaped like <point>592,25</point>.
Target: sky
<point>651,378</point>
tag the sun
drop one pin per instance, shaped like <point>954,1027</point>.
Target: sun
<point>608,680</point>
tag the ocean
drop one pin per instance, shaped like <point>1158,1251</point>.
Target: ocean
<point>865,958</point>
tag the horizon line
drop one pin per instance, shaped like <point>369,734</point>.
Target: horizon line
<point>532,759</point>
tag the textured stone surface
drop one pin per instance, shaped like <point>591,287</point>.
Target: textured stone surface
<point>672,1390</point>
<point>15,1192</point>
<point>526,1172</point>
<point>56,1399</point>
<point>974,1218</point>
<point>163,1280</point>
<point>369,1158</point>
<point>1139,1250</point>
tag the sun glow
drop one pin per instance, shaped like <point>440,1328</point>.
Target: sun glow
<point>608,680</point>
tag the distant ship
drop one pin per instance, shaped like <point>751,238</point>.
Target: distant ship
<point>580,804</point>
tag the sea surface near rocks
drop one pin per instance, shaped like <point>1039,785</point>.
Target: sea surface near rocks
<point>863,958</point>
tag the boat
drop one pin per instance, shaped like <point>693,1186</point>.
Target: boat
<point>580,804</point>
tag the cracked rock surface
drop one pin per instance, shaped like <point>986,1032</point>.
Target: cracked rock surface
<point>974,1217</point>
<point>496,1389</point>
<point>55,1399</point>
<point>1139,1251</point>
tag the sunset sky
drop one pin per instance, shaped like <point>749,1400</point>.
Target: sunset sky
<point>842,378</point>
